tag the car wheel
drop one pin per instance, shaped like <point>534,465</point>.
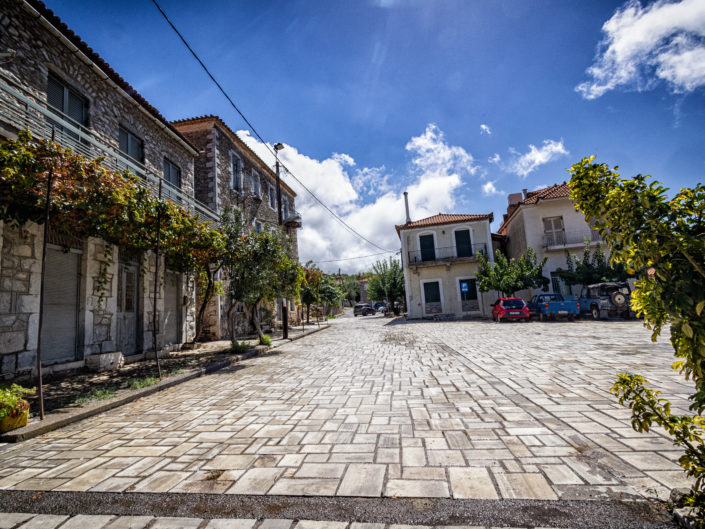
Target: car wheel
<point>627,316</point>
<point>542,317</point>
<point>595,312</point>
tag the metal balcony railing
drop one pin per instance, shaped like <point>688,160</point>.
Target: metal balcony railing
<point>293,218</point>
<point>565,238</point>
<point>447,253</point>
<point>23,111</point>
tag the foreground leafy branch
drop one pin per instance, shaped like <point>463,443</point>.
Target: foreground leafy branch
<point>665,238</point>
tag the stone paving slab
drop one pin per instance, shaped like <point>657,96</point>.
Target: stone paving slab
<point>43,521</point>
<point>465,410</point>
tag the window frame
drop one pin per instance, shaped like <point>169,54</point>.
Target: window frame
<point>237,169</point>
<point>67,91</point>
<point>435,245</point>
<point>166,161</point>
<point>134,136</point>
<point>455,242</point>
<point>256,183</point>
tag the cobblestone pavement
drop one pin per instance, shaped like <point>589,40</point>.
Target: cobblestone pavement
<point>374,408</point>
<point>51,521</point>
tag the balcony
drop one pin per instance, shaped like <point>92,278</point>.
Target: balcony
<point>293,220</point>
<point>22,111</point>
<point>565,239</point>
<point>446,255</point>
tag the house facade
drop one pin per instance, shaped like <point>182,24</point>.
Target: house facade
<point>98,306</point>
<point>228,174</point>
<point>439,258</point>
<point>547,221</point>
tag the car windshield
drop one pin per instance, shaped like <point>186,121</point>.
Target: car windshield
<point>513,304</point>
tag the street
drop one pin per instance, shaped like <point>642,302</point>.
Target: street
<point>374,407</point>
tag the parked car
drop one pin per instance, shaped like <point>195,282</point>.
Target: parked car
<point>545,306</point>
<point>602,300</point>
<point>363,309</point>
<point>380,306</point>
<point>510,309</point>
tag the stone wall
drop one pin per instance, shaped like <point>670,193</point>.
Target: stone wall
<point>99,267</point>
<point>39,53</point>
<point>20,270</point>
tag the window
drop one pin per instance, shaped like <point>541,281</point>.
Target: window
<point>237,173</point>
<point>285,208</point>
<point>256,184</point>
<point>272,197</point>
<point>60,97</point>
<point>427,246</point>
<point>131,145</point>
<point>432,292</point>
<point>463,247</point>
<point>553,231</point>
<point>258,227</point>
<point>172,173</point>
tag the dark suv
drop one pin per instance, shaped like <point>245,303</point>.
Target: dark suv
<point>363,309</point>
<point>606,299</point>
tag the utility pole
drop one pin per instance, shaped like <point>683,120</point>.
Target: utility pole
<point>285,304</point>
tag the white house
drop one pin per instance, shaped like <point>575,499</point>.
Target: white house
<point>547,221</point>
<point>439,258</point>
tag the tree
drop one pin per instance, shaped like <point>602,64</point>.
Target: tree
<point>664,237</point>
<point>511,275</point>
<point>310,286</point>
<point>594,267</point>
<point>351,289</point>
<point>259,269</point>
<point>328,292</point>
<point>387,281</point>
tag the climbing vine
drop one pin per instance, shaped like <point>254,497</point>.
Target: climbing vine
<point>89,200</point>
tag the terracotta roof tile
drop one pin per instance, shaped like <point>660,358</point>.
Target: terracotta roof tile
<point>62,28</point>
<point>444,218</point>
<point>554,191</point>
<point>534,197</point>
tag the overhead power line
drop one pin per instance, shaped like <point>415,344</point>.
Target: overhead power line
<point>254,131</point>
<point>358,257</point>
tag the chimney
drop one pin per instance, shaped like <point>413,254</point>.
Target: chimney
<point>514,199</point>
<point>406,205</point>
<point>525,191</point>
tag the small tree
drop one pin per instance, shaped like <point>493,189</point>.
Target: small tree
<point>594,267</point>
<point>511,275</point>
<point>310,286</point>
<point>664,237</point>
<point>351,289</point>
<point>259,268</point>
<point>329,293</point>
<point>387,281</point>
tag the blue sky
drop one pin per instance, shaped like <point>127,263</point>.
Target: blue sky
<point>374,97</point>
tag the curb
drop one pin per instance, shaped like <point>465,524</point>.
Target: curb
<point>62,418</point>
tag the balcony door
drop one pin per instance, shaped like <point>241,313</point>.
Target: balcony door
<point>128,283</point>
<point>427,247</point>
<point>463,246</point>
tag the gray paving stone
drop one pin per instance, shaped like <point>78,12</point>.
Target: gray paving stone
<point>44,521</point>
<point>10,520</point>
<point>130,522</point>
<point>84,521</point>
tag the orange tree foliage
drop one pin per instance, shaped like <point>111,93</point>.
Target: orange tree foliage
<point>90,200</point>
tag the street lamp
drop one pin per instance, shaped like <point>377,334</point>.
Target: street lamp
<point>285,304</point>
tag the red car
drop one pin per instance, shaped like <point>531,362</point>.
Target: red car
<point>510,309</point>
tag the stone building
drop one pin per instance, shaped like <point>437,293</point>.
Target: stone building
<point>228,174</point>
<point>439,258</point>
<point>547,221</point>
<point>98,299</point>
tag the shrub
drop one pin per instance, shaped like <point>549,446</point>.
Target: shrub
<point>239,347</point>
<point>12,400</point>
<point>265,340</point>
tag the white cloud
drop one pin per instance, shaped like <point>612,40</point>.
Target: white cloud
<point>489,189</point>
<point>528,162</point>
<point>365,199</point>
<point>484,129</point>
<point>641,45</point>
<point>495,158</point>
